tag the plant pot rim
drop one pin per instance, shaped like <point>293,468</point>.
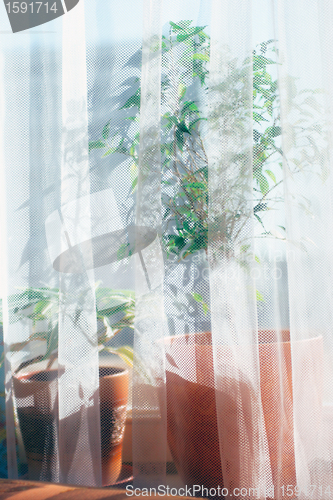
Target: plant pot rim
<point>208,343</point>
<point>122,370</point>
<point>25,376</point>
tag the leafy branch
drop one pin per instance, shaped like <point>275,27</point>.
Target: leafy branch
<point>184,83</point>
<point>114,311</point>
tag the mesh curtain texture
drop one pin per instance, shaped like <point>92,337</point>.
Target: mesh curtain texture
<point>166,194</point>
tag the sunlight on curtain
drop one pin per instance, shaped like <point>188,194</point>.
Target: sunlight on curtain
<point>166,215</point>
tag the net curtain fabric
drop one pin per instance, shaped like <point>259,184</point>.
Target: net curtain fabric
<point>229,208</point>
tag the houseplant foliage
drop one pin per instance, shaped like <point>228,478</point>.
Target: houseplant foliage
<point>114,311</point>
<point>185,73</point>
<point>184,87</point>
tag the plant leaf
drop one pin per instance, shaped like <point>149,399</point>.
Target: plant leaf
<point>271,175</point>
<point>259,296</point>
<point>106,130</point>
<point>96,144</point>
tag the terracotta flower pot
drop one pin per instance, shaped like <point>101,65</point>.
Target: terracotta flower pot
<point>200,454</point>
<point>113,389</point>
<point>36,397</point>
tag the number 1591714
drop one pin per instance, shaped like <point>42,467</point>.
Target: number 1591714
<point>32,7</point>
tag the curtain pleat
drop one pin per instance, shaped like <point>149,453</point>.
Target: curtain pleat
<point>78,381</point>
<point>149,398</point>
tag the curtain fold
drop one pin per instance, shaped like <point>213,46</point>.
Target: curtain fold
<point>306,124</point>
<point>78,381</point>
<point>166,215</point>
<point>149,399</point>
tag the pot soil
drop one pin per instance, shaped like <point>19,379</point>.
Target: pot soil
<point>200,454</point>
<point>36,397</point>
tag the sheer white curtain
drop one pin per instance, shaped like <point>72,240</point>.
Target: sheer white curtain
<point>207,193</point>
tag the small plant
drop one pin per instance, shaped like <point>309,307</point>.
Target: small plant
<point>114,311</point>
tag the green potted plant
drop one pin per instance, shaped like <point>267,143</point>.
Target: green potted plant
<point>35,379</point>
<point>184,158</point>
<point>185,201</point>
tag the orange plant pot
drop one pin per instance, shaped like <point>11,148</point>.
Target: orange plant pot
<point>113,390</point>
<point>201,455</point>
<point>36,397</point>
